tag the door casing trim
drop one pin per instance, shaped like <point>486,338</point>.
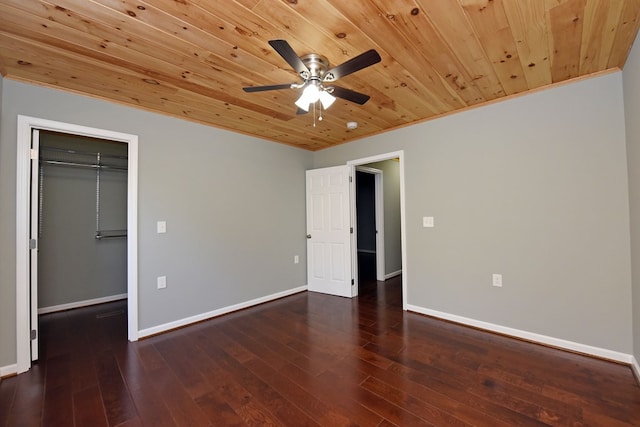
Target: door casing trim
<point>378,158</point>
<point>23,181</point>
<point>378,218</point>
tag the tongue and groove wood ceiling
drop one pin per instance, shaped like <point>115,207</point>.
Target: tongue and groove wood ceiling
<point>191,58</point>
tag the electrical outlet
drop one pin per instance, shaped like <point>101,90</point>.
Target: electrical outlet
<point>162,282</point>
<point>427,221</point>
<point>161,227</point>
<point>497,280</point>
<point>296,259</point>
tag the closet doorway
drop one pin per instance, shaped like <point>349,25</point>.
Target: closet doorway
<point>82,221</point>
<point>106,226</point>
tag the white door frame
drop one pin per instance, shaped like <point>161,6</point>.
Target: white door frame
<point>379,220</point>
<point>23,182</point>
<point>354,254</point>
<point>33,235</point>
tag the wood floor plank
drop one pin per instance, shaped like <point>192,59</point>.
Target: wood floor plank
<point>308,356</point>
<point>7,395</point>
<point>227,385</point>
<point>218,411</point>
<point>150,405</point>
<point>333,395</point>
<point>133,422</point>
<point>116,399</point>
<point>183,409</point>
<point>308,360</point>
<point>26,409</point>
<point>276,337</point>
<point>307,402</point>
<point>457,389</point>
<point>417,407</point>
<point>391,412</point>
<point>229,373</point>
<point>425,391</point>
<point>58,401</point>
<point>88,408</point>
<point>179,361</point>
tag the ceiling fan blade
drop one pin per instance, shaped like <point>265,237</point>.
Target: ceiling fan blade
<point>350,95</point>
<point>288,54</point>
<point>361,61</point>
<point>268,87</point>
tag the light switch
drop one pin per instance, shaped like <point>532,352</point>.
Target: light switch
<point>161,227</point>
<point>427,221</point>
<point>496,280</point>
<point>162,282</point>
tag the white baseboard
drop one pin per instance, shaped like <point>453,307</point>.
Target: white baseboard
<point>215,313</point>
<point>529,336</point>
<point>8,370</point>
<point>78,304</point>
<point>636,368</point>
<point>393,274</point>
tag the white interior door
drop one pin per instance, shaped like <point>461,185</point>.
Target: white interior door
<point>329,231</point>
<point>33,241</point>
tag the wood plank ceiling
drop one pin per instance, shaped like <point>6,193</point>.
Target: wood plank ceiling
<point>191,58</point>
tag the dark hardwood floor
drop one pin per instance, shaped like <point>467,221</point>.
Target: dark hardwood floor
<point>309,359</point>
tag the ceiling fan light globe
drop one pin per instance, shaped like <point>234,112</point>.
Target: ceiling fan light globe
<point>311,93</point>
<point>302,103</point>
<point>326,99</point>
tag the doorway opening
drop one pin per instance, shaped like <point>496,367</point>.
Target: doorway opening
<point>82,221</point>
<point>381,252</point>
<point>369,195</point>
<point>27,203</point>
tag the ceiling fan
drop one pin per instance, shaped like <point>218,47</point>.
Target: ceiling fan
<point>317,78</point>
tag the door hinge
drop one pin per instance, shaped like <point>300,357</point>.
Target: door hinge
<point>353,282</point>
<point>350,178</point>
<point>33,244</point>
<point>34,334</point>
<point>33,154</point>
<point>351,230</point>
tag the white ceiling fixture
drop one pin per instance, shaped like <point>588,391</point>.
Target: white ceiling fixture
<point>318,90</point>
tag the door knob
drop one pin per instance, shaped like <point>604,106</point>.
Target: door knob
<point>308,236</point>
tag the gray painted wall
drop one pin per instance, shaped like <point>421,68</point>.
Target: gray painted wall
<point>234,206</point>
<point>534,188</point>
<point>392,233</point>
<point>632,113</point>
<point>73,265</point>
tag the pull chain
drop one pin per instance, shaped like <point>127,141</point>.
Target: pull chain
<point>319,106</point>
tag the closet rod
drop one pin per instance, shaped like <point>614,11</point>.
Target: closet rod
<point>83,165</point>
<point>100,236</point>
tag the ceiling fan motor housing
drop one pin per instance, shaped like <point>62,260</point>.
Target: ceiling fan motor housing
<point>317,65</point>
